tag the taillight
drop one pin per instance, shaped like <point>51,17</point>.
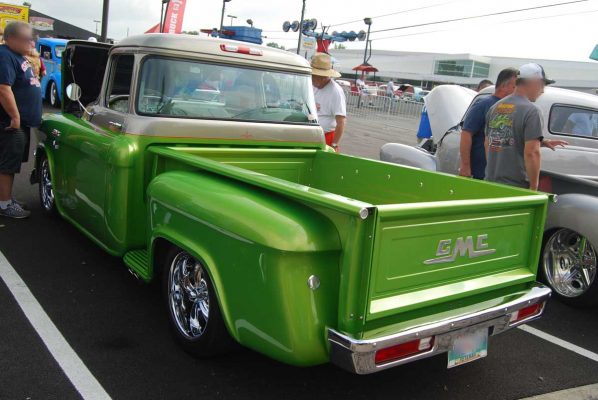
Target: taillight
<point>241,49</point>
<point>404,350</point>
<point>526,312</point>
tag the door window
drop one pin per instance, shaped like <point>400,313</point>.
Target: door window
<point>119,90</point>
<point>45,52</point>
<point>575,121</point>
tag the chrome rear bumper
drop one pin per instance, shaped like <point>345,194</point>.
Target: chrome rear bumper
<point>358,356</point>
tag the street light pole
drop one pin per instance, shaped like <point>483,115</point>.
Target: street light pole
<point>223,9</point>
<point>105,9</point>
<point>97,22</point>
<point>162,16</point>
<point>301,28</point>
<point>368,22</point>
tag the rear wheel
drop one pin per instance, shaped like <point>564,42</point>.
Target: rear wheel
<point>195,318</point>
<point>53,95</point>
<point>45,188</point>
<point>568,265</point>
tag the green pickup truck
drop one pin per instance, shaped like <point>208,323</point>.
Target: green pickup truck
<point>200,162</point>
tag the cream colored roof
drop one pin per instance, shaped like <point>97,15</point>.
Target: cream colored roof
<point>211,46</point>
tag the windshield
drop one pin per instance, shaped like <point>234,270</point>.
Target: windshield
<point>59,50</point>
<point>194,89</point>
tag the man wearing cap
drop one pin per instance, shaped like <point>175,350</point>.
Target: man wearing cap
<point>514,132</point>
<point>330,99</point>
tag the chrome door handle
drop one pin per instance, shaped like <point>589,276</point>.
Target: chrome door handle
<point>115,125</point>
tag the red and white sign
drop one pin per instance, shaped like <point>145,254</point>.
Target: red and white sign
<point>173,23</point>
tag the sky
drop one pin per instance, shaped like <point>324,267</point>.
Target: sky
<point>565,32</point>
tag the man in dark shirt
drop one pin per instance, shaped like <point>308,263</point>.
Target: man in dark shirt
<point>20,109</point>
<point>473,155</point>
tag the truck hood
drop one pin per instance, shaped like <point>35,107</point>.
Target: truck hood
<point>446,105</point>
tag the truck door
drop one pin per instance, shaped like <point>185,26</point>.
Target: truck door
<point>88,148</point>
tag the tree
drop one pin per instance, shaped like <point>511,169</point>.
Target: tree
<point>275,45</point>
<point>339,46</point>
<point>191,32</point>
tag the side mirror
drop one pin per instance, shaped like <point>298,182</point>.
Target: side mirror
<point>73,92</point>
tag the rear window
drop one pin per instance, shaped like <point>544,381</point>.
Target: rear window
<point>575,121</point>
<point>59,50</point>
<point>193,89</point>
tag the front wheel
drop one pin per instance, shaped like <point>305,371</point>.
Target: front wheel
<point>568,265</point>
<point>46,189</point>
<point>53,91</point>
<point>194,314</point>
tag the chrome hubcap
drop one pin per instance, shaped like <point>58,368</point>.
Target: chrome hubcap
<point>188,295</point>
<point>46,186</point>
<point>569,263</point>
<point>53,93</point>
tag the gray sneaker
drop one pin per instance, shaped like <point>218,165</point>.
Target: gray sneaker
<point>21,204</point>
<point>14,211</point>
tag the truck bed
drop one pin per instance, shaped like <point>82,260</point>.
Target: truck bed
<point>413,243</point>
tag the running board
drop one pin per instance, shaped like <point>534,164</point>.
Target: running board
<point>138,263</point>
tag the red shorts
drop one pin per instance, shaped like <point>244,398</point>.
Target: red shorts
<point>329,137</point>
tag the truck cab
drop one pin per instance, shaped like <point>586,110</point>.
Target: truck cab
<point>200,162</point>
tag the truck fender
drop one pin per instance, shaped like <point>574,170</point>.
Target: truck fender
<point>408,155</point>
<point>181,204</point>
<point>578,212</point>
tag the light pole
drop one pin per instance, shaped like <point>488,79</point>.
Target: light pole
<point>105,9</point>
<point>97,22</point>
<point>301,27</point>
<point>231,19</point>
<point>223,9</point>
<point>368,22</point>
<point>162,16</point>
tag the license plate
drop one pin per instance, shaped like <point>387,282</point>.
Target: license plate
<point>468,346</point>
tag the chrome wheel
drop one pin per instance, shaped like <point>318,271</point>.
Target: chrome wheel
<point>188,295</point>
<point>53,94</point>
<point>45,182</point>
<point>569,263</point>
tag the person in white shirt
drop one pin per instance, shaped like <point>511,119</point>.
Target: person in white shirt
<point>390,89</point>
<point>330,99</point>
<point>360,83</point>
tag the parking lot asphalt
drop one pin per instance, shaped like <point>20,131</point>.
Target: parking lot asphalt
<point>118,327</point>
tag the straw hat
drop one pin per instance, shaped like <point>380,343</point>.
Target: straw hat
<point>321,65</point>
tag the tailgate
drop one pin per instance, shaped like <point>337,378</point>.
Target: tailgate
<point>428,253</point>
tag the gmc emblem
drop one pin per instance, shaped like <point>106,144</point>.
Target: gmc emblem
<point>447,252</point>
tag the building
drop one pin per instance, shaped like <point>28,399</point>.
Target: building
<point>47,26</point>
<point>429,69</point>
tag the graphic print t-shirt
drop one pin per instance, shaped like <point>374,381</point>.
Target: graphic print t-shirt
<point>510,123</point>
<point>16,71</point>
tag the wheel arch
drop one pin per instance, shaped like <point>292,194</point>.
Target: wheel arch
<point>577,212</point>
<point>162,241</point>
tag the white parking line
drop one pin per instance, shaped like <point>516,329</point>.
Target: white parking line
<point>560,342</point>
<point>81,378</point>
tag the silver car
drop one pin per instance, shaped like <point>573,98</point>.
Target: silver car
<point>569,259</point>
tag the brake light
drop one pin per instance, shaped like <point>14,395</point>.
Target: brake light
<point>403,350</point>
<point>526,312</point>
<point>241,49</point>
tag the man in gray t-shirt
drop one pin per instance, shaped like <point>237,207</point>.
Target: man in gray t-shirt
<point>514,132</point>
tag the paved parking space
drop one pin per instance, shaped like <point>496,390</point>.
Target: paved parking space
<point>117,326</point>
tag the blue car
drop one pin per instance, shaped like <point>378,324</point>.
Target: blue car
<point>50,51</point>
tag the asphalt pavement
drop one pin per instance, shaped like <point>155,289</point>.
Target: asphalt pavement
<point>118,327</point>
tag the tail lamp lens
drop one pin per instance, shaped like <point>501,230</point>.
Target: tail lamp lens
<point>404,350</point>
<point>526,312</point>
